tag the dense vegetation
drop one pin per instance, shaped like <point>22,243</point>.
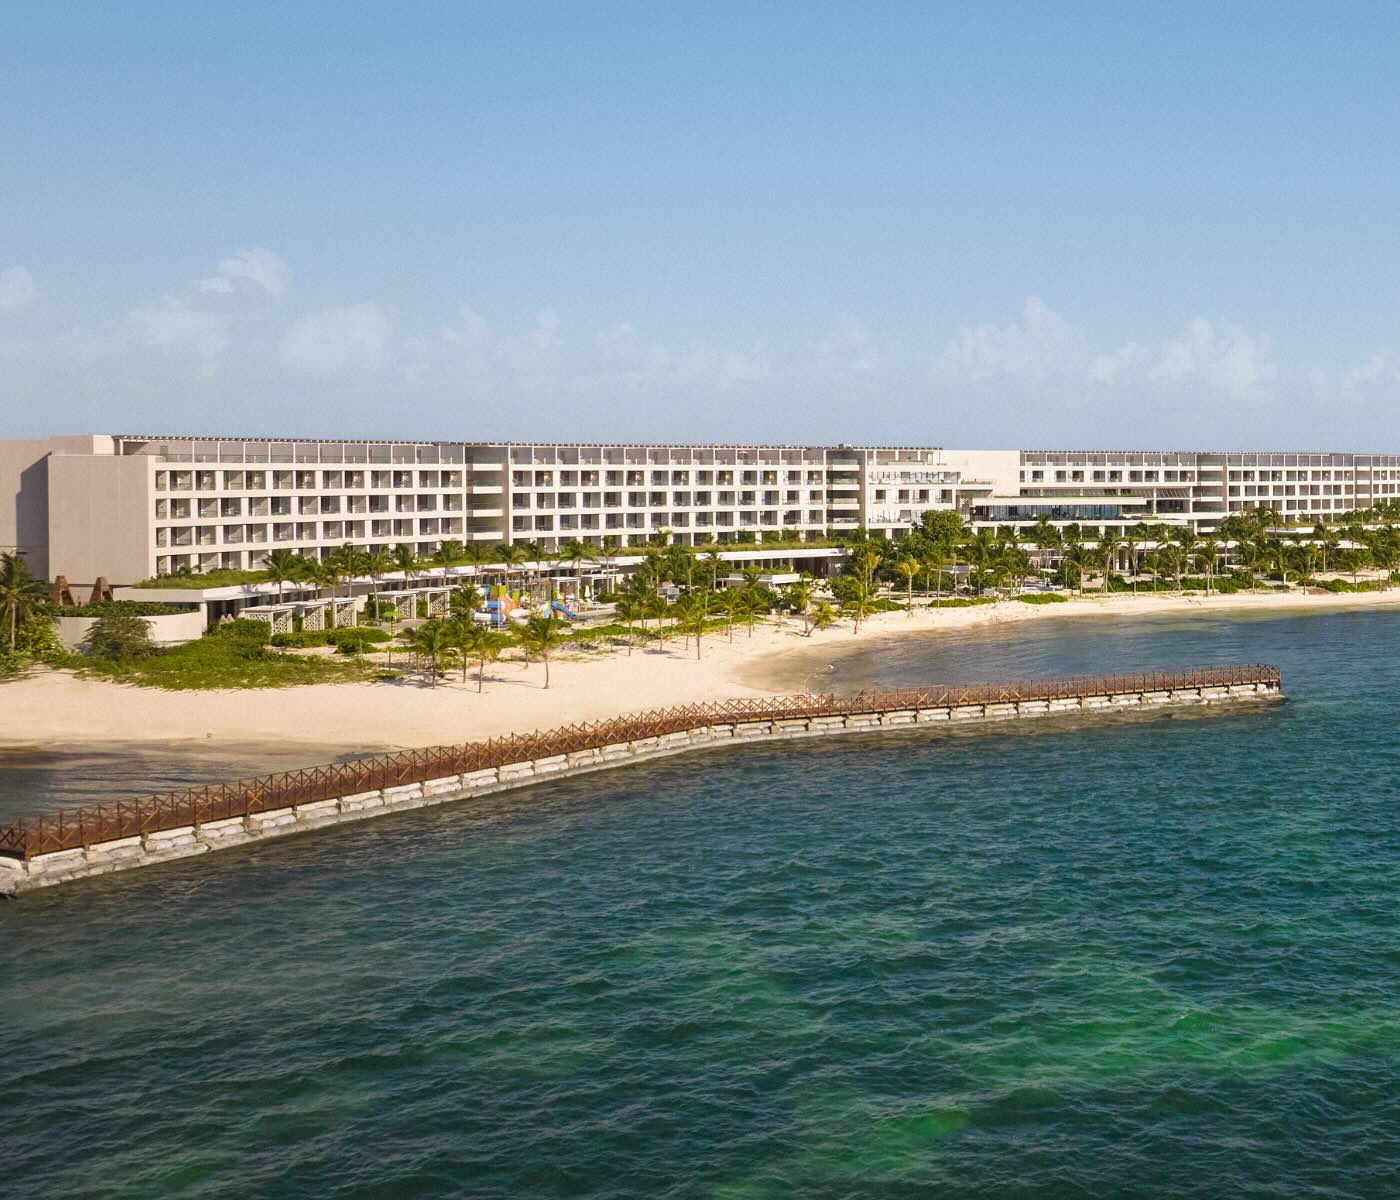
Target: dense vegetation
<point>135,608</point>
<point>235,655</point>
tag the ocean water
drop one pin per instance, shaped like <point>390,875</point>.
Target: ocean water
<point>35,779</point>
<point>1129,957</point>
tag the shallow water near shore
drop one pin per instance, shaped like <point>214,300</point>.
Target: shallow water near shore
<point>1130,957</point>
<point>40,779</point>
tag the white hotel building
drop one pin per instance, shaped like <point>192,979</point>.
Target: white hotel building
<point>127,507</point>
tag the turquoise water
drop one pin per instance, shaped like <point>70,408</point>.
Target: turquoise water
<point>1135,957</point>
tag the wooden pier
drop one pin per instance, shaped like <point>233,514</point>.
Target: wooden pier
<point>97,840</point>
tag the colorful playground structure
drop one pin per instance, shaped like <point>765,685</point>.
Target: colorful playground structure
<point>505,606</point>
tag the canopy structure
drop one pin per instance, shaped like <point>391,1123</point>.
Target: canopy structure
<point>437,601</point>
<point>314,615</point>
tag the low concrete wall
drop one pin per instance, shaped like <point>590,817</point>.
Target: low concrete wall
<point>103,858</point>
<point>168,630</point>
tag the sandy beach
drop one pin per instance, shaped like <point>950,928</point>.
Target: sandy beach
<point>53,708</point>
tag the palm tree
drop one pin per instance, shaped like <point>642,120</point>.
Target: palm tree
<point>460,632</point>
<point>799,598</point>
<point>486,647</point>
<point>711,558</point>
<point>347,562</point>
<point>281,566</point>
<point>21,595</point>
<point>861,605</point>
<point>431,639</point>
<point>1109,541</point>
<point>694,612</point>
<point>475,642</point>
<point>448,554</point>
<point>1187,547</point>
<point>466,599</point>
<point>575,552</point>
<point>823,617</point>
<point>541,635</point>
<point>1206,554</point>
<point>629,609</point>
<point>1130,544</point>
<point>752,602</point>
<point>729,604</point>
<point>406,561</point>
<point>512,557</point>
<point>376,564</point>
<point>907,568</point>
<point>323,574</point>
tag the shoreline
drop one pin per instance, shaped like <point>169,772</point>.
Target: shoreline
<point>56,710</point>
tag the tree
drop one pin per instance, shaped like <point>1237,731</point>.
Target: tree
<point>541,635</point>
<point>799,599</point>
<point>512,558</point>
<point>863,565</point>
<point>322,573</point>
<point>281,566</point>
<point>752,602</point>
<point>575,552</point>
<point>465,600</point>
<point>376,564</point>
<point>20,594</point>
<point>629,609</point>
<point>729,604</point>
<point>907,568</point>
<point>694,613</point>
<point>1207,553</point>
<point>823,617</point>
<point>1187,544</point>
<point>347,561</point>
<point>860,605</point>
<point>431,639</point>
<point>476,642</point>
<point>711,559</point>
<point>1109,541</point>
<point>1131,543</point>
<point>119,637</point>
<point>406,560</point>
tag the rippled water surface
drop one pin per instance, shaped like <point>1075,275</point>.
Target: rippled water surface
<point>1131,957</point>
<point>36,779</point>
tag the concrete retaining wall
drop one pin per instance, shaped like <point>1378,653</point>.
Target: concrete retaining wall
<point>169,629</point>
<point>103,858</point>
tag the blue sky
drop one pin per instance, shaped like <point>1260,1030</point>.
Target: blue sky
<point>979,225</point>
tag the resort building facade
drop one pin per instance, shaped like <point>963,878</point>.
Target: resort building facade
<point>128,507</point>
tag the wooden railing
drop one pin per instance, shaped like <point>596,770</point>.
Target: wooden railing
<point>81,827</point>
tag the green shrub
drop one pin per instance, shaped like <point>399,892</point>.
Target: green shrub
<point>119,637</point>
<point>962,602</point>
<point>136,608</point>
<point>1042,598</point>
<point>356,640</point>
<point>352,639</point>
<point>203,579</point>
<point>301,639</point>
<point>244,629</point>
<point>37,640</point>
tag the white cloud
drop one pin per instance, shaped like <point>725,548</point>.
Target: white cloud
<point>1041,345</point>
<point>255,270</point>
<point>336,340</point>
<point>201,319</point>
<point>848,344</point>
<point>174,323</point>
<point>17,289</point>
<point>1230,361</point>
<point>222,344</point>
